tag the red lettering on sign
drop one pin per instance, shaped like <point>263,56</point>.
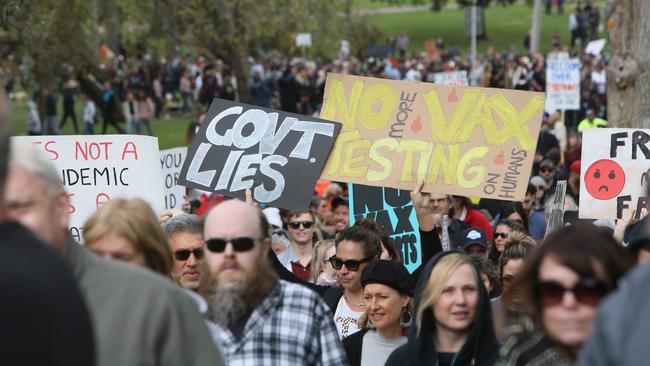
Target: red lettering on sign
<point>133,150</point>
<point>92,150</point>
<point>101,199</point>
<point>70,206</point>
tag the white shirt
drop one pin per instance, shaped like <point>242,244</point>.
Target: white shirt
<point>346,319</point>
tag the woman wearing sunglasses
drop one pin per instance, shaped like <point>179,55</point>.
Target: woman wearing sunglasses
<point>356,247</point>
<point>561,284</point>
<point>387,292</point>
<point>453,320</point>
<point>501,233</point>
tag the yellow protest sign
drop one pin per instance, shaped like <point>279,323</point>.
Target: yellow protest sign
<point>460,140</point>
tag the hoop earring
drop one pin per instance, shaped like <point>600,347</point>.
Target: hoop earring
<point>369,324</point>
<point>406,323</point>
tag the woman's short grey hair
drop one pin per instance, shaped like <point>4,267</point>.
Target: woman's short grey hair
<point>184,223</point>
<point>26,156</point>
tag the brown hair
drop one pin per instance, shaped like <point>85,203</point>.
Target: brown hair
<point>134,220</point>
<point>577,247</point>
<point>386,241</point>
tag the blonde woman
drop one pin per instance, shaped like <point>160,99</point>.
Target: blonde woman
<point>128,230</point>
<point>322,272</point>
<point>453,320</point>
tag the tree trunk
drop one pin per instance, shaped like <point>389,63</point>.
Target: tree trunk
<point>628,73</point>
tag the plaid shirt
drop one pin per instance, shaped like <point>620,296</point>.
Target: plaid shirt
<point>292,326</point>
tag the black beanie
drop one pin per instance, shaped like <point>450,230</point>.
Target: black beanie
<point>389,273</point>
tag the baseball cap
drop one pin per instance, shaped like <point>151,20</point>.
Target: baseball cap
<point>547,163</point>
<point>538,181</point>
<point>473,236</point>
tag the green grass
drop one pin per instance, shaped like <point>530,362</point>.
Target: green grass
<point>505,26</point>
<point>170,132</point>
<point>372,4</point>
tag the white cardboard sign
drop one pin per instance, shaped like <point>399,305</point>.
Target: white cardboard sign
<point>563,84</point>
<point>614,172</point>
<point>95,169</point>
<point>171,162</point>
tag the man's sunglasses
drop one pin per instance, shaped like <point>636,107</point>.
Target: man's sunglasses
<point>350,264</point>
<point>589,291</point>
<point>546,170</point>
<point>184,254</point>
<point>502,235</point>
<point>305,224</point>
<point>218,245</point>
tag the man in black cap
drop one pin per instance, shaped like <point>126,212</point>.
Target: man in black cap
<point>474,241</point>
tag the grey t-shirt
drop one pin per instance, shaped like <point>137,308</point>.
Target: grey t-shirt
<point>376,349</point>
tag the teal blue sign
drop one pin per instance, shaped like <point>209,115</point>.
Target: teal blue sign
<point>393,211</point>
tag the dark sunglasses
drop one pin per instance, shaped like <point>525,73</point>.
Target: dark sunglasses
<point>589,291</point>
<point>218,245</point>
<point>305,224</point>
<point>184,254</point>
<point>350,264</point>
<point>546,170</point>
<point>502,235</point>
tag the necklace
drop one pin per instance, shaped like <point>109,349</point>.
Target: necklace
<point>357,306</point>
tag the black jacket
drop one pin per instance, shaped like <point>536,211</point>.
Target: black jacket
<point>480,349</point>
<point>43,316</point>
<point>353,345</point>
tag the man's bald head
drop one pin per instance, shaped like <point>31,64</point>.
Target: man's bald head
<point>238,213</point>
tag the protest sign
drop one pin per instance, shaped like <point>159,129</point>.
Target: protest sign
<point>563,84</point>
<point>459,140</point>
<point>171,162</point>
<point>595,47</point>
<point>615,169</point>
<point>278,155</point>
<point>95,169</point>
<point>393,211</point>
<point>556,216</point>
<point>303,40</point>
<point>458,78</point>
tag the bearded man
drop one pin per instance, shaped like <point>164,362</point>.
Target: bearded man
<point>260,319</point>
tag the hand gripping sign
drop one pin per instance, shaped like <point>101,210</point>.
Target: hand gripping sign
<point>459,140</point>
<point>278,155</point>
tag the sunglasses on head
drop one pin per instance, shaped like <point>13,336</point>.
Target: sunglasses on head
<point>588,291</point>
<point>218,245</point>
<point>350,264</point>
<point>502,235</point>
<point>184,254</point>
<point>305,224</point>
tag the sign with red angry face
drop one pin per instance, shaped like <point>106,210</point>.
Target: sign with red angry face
<point>615,169</point>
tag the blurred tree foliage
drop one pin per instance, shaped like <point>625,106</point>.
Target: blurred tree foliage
<point>53,33</point>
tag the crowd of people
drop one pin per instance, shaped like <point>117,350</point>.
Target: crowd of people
<point>226,281</point>
<point>245,285</point>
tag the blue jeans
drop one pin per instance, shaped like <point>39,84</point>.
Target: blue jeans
<point>88,129</point>
<point>52,125</point>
